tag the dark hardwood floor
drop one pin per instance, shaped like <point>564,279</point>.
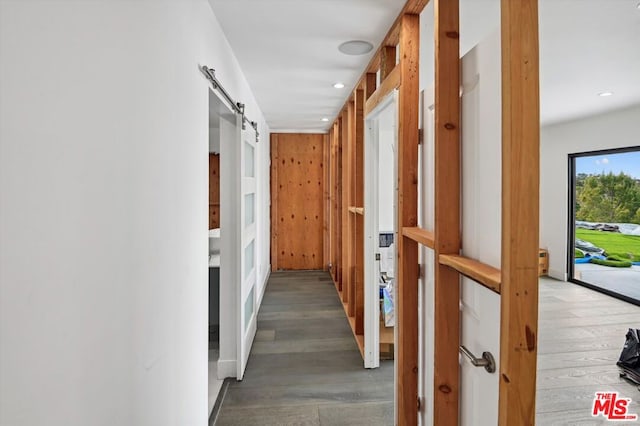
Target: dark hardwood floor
<point>305,367</point>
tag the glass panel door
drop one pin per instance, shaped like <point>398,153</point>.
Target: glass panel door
<point>247,224</point>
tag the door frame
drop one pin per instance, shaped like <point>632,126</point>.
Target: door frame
<point>371,230</point>
<point>246,235</point>
<point>572,219</point>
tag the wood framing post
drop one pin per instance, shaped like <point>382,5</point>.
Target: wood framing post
<point>326,185</point>
<point>339,180</point>
<point>520,211</point>
<point>447,211</point>
<point>344,208</point>
<point>407,283</point>
<point>359,202</point>
<point>351,310</point>
<point>387,61</point>
<point>370,85</point>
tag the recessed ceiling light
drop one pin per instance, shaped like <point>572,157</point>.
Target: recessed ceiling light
<point>355,47</point>
<point>638,6</point>
<point>605,94</point>
<point>324,119</point>
<point>338,85</point>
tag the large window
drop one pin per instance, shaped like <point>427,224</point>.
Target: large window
<point>604,221</point>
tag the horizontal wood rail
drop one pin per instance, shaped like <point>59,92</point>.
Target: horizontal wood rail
<point>387,86</point>
<point>419,235</point>
<point>482,273</point>
<point>357,210</point>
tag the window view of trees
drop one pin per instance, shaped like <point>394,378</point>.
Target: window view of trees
<point>606,216</point>
<point>607,197</point>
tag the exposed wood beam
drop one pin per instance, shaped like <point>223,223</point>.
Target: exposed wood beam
<point>359,201</point>
<point>338,201</point>
<point>415,6</point>
<point>334,206</point>
<point>480,272</point>
<point>387,61</point>
<point>392,38</point>
<point>407,284</point>
<point>419,235</point>
<point>326,185</point>
<point>520,211</point>
<point>447,211</point>
<point>370,84</point>
<point>374,63</point>
<point>351,199</point>
<point>392,82</point>
<point>346,202</point>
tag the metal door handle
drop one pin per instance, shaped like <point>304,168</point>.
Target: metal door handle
<point>486,361</point>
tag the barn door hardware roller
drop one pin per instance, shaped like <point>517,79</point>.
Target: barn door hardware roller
<point>238,107</point>
<point>487,361</point>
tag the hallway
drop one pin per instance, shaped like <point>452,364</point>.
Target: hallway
<point>305,367</point>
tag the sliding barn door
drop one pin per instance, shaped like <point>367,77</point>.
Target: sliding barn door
<point>297,201</point>
<point>247,275</point>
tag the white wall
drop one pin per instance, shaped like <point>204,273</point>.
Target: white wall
<point>103,209</point>
<point>616,129</point>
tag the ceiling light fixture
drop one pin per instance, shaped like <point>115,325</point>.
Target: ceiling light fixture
<point>338,85</point>
<point>605,94</point>
<point>324,119</point>
<point>355,47</point>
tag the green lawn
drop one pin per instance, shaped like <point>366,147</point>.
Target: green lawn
<point>612,242</point>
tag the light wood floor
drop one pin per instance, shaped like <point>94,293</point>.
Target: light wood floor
<point>305,368</point>
<point>581,333</point>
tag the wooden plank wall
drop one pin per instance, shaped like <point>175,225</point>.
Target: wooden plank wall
<point>214,191</point>
<point>297,191</point>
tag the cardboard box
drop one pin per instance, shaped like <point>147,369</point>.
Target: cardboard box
<point>543,262</point>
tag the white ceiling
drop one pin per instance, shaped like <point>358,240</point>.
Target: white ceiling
<point>288,50</point>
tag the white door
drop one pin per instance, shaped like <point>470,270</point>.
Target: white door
<point>380,133</point>
<point>246,273</point>
<point>481,226</point>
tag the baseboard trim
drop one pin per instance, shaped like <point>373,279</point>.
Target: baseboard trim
<point>264,286</point>
<point>558,275</point>
<point>219,400</point>
<point>227,368</point>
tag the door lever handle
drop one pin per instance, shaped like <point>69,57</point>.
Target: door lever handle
<point>487,361</point>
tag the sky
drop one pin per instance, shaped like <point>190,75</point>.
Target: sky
<point>627,162</point>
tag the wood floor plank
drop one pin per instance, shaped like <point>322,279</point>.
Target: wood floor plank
<point>305,367</point>
<point>270,416</point>
<point>581,335</point>
<point>365,414</point>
